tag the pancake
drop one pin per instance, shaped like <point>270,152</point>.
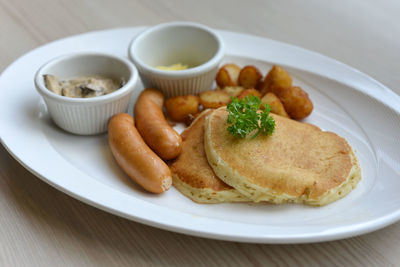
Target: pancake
<point>297,163</point>
<point>191,173</point>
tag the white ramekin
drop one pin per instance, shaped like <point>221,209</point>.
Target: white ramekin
<point>87,116</point>
<point>177,42</point>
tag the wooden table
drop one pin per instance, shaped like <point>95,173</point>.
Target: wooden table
<point>44,227</point>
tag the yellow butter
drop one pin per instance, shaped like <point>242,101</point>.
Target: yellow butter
<point>177,66</point>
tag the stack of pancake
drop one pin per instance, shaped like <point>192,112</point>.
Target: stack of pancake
<point>298,163</point>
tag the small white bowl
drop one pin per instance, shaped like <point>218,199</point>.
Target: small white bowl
<point>177,42</point>
<point>87,116</point>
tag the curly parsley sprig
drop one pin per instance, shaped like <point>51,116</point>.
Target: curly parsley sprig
<point>244,118</point>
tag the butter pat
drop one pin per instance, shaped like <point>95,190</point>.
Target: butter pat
<point>177,66</point>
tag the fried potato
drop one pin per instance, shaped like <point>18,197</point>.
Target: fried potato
<point>249,77</point>
<point>189,119</point>
<point>233,90</point>
<point>277,77</point>
<point>296,102</point>
<point>276,105</point>
<point>247,92</point>
<point>179,108</point>
<point>214,98</point>
<point>228,75</point>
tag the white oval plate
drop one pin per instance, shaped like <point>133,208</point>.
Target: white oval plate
<point>346,101</point>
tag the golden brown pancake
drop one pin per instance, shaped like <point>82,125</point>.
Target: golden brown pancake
<point>297,163</point>
<point>191,173</point>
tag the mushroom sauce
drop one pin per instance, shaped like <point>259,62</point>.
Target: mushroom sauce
<point>82,86</point>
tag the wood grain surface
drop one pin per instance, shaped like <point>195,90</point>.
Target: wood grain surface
<point>40,226</point>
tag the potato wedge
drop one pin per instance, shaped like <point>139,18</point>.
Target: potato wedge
<point>296,102</point>
<point>214,99</point>
<point>247,92</point>
<point>228,75</point>
<point>179,108</point>
<point>233,90</point>
<point>249,77</point>
<point>276,105</point>
<point>277,77</point>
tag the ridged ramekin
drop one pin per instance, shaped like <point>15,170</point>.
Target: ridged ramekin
<point>172,43</point>
<point>87,116</point>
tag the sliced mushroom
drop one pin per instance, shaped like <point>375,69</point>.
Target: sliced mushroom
<point>52,83</point>
<point>89,92</point>
<point>122,82</point>
<point>102,85</point>
<point>72,91</point>
<point>84,86</point>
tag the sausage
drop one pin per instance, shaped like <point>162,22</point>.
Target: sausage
<point>153,127</point>
<point>135,157</point>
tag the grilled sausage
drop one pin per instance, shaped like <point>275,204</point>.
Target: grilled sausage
<point>135,157</point>
<point>153,127</point>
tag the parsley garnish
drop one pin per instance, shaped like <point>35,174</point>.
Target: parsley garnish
<point>243,117</point>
